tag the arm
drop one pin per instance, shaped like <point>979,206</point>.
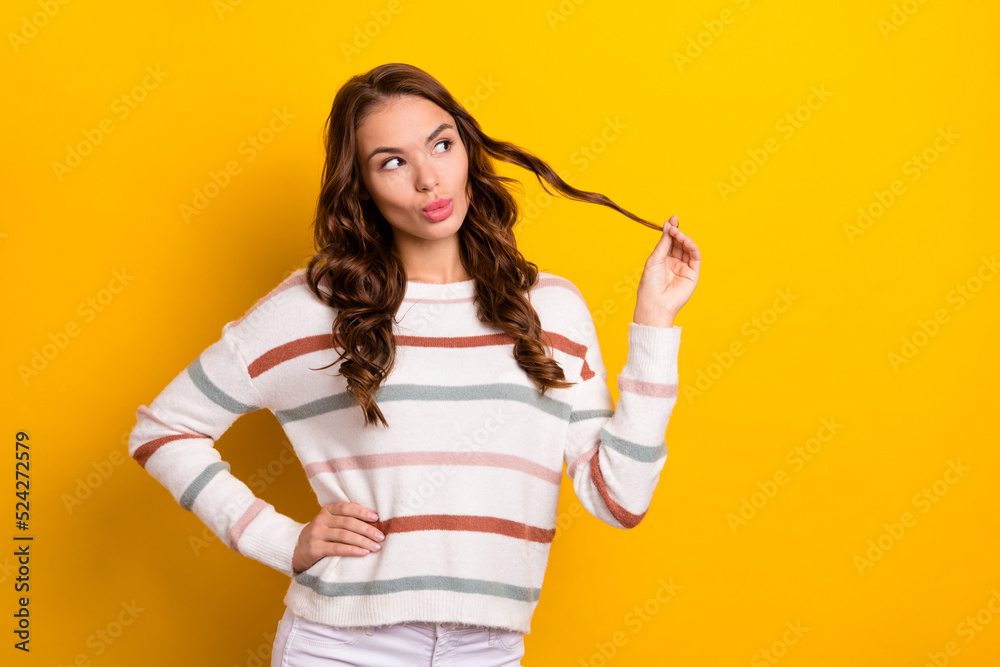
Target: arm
<point>614,456</point>
<point>173,440</point>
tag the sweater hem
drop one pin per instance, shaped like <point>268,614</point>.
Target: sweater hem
<point>428,606</point>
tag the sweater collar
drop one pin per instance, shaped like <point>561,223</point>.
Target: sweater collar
<point>440,291</point>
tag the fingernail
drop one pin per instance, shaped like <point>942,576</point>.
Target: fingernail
<point>379,535</point>
<point>372,516</point>
<point>376,546</point>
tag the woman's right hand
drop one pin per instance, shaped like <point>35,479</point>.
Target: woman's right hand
<point>340,529</point>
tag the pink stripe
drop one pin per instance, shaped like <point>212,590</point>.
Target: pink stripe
<point>256,507</point>
<point>542,281</point>
<point>492,460</point>
<point>656,389</point>
<point>581,460</point>
<point>558,281</point>
<point>297,278</point>
<point>463,299</point>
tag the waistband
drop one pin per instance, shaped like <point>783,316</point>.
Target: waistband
<point>447,626</point>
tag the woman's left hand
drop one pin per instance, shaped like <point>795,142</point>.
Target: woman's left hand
<point>668,278</point>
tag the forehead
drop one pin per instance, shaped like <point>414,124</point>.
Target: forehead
<point>401,121</point>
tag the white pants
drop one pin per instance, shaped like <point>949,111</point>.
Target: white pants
<point>303,643</point>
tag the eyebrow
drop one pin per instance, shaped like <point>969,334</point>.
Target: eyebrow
<point>388,149</point>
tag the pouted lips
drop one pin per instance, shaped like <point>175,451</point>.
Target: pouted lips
<point>437,203</point>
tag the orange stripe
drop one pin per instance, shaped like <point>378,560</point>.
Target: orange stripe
<point>479,524</point>
<point>624,517</point>
<point>482,340</point>
<point>308,344</point>
<point>571,347</point>
<point>143,452</point>
<point>287,351</point>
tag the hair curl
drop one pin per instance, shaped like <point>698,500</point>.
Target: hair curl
<point>366,282</point>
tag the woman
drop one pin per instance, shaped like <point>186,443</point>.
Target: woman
<point>433,383</point>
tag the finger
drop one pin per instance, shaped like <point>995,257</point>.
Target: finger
<point>354,525</point>
<point>677,249</point>
<point>692,248</point>
<point>338,549</point>
<point>689,248</point>
<point>695,256</point>
<point>690,252</point>
<point>362,528</point>
<point>663,246</point>
<point>351,509</point>
<point>349,538</point>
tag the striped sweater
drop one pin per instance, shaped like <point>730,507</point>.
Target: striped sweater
<point>465,479</point>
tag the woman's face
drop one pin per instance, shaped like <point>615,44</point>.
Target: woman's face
<point>410,155</point>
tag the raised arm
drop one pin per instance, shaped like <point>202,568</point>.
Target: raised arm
<point>614,455</point>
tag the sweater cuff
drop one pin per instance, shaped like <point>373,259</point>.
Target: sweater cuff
<point>271,539</point>
<point>652,353</point>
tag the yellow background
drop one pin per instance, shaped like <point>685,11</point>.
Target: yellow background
<point>556,75</point>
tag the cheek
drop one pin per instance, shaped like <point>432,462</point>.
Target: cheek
<point>462,173</point>
<point>387,195</point>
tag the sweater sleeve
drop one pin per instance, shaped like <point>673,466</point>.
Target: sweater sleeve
<point>173,440</point>
<point>614,455</point>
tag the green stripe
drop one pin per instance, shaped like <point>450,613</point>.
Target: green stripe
<point>633,450</point>
<point>418,583</point>
<point>580,415</point>
<point>426,392</point>
<point>313,408</point>
<point>214,394</point>
<point>199,483</point>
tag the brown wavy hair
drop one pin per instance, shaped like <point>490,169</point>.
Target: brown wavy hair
<point>366,282</point>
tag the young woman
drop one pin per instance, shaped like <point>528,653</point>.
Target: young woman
<point>433,383</point>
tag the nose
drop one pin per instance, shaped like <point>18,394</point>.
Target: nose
<point>426,175</point>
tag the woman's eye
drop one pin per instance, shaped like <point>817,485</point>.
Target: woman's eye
<point>385,165</point>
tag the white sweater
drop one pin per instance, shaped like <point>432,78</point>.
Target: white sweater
<point>466,478</point>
